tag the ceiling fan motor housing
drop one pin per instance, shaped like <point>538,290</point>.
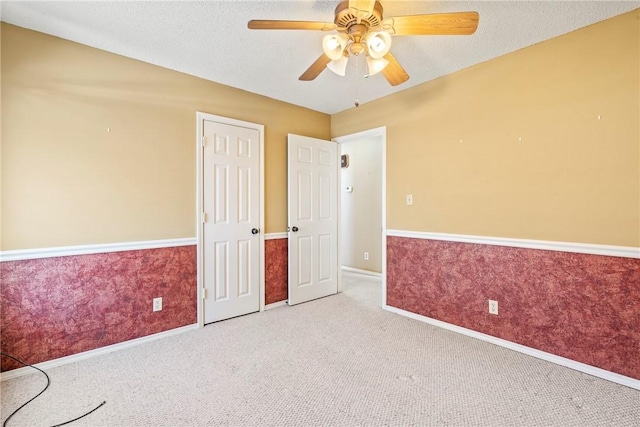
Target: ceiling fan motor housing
<point>345,17</point>
<point>357,25</point>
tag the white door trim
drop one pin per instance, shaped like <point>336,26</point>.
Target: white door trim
<point>200,117</point>
<point>382,133</point>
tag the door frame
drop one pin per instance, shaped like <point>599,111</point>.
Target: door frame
<point>200,117</point>
<point>382,133</point>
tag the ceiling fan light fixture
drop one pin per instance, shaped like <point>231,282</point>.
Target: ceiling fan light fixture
<point>378,44</point>
<point>339,66</point>
<point>333,45</point>
<point>376,65</point>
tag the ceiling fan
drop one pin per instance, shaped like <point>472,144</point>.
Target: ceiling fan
<point>361,29</point>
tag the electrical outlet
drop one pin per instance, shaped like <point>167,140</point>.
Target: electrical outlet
<point>366,256</point>
<point>157,304</point>
<point>493,307</point>
<point>409,199</point>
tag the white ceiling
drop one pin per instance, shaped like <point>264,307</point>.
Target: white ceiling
<point>210,39</point>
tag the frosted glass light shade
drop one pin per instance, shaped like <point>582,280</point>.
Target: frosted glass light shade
<point>333,45</point>
<point>378,44</point>
<point>339,66</point>
<point>376,65</point>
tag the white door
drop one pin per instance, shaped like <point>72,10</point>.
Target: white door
<point>312,217</point>
<point>231,205</point>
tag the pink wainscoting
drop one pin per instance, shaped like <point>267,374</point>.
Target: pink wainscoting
<point>55,307</point>
<point>276,270</point>
<point>581,307</point>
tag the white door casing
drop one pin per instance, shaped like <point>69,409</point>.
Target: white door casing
<point>312,218</point>
<point>231,246</point>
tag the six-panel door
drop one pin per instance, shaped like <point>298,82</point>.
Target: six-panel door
<point>231,204</point>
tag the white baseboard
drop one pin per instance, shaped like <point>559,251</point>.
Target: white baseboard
<point>275,305</point>
<point>578,366</point>
<point>97,352</point>
<point>361,271</point>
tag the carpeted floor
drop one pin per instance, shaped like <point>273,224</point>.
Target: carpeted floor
<point>337,361</point>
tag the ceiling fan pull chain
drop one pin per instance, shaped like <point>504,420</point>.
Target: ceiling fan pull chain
<point>357,74</point>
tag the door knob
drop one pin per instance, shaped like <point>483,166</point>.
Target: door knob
<point>254,231</point>
<point>294,228</point>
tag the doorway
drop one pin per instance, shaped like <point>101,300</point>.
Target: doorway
<point>363,230</point>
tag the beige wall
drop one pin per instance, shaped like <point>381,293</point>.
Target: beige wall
<point>514,148</point>
<point>534,162</point>
<point>361,209</point>
<point>98,148</point>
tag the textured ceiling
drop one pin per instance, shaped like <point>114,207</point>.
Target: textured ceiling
<point>210,39</point>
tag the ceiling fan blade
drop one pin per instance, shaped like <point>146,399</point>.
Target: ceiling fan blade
<point>362,7</point>
<point>266,24</point>
<point>316,68</point>
<point>459,23</point>
<point>393,72</point>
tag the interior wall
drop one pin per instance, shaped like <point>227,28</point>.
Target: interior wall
<point>59,306</point>
<point>99,148</point>
<point>361,208</point>
<point>542,143</point>
<point>276,280</point>
<point>577,306</point>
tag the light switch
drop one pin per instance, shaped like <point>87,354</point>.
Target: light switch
<point>409,199</point>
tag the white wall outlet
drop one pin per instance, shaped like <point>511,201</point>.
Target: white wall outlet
<point>157,304</point>
<point>493,307</point>
<point>366,256</point>
<point>409,199</point>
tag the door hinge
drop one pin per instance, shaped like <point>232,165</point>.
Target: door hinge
<point>204,293</point>
<point>204,141</point>
<point>204,217</point>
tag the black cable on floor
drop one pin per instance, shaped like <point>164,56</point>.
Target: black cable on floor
<point>81,416</point>
<point>4,424</point>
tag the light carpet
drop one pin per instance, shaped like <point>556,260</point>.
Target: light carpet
<point>336,361</point>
